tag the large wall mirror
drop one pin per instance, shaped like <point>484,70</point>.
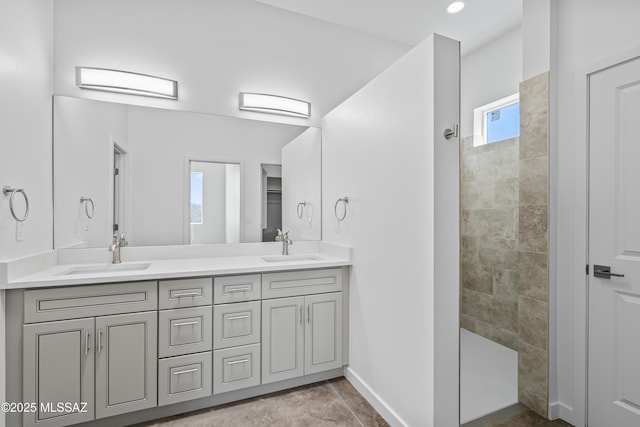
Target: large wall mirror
<point>167,177</point>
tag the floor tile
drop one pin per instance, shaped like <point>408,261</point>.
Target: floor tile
<point>329,403</point>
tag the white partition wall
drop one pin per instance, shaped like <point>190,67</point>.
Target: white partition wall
<point>301,160</point>
<point>384,149</point>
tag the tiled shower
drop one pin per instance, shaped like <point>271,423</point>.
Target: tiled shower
<point>504,242</point>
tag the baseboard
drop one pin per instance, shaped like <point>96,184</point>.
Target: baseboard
<point>378,404</point>
<point>558,410</point>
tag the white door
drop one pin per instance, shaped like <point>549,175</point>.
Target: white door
<point>614,241</point>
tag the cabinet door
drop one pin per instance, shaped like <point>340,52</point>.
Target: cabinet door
<point>126,363</point>
<point>282,339</point>
<point>58,368</point>
<point>323,332</point>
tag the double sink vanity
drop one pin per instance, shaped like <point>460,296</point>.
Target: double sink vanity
<point>116,344</point>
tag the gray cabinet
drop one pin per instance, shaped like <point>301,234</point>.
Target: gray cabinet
<point>108,361</point>
<point>126,363</point>
<point>58,367</point>
<point>301,335</point>
<point>65,361</point>
<point>323,333</point>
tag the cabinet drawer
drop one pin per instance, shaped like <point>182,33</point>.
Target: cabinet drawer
<point>305,282</point>
<point>185,293</point>
<point>184,378</point>
<point>236,324</point>
<point>43,305</point>
<point>236,368</point>
<point>236,288</point>
<point>184,331</point>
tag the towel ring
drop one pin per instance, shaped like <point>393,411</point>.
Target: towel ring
<point>8,191</point>
<point>88,201</point>
<point>344,201</point>
<point>300,209</point>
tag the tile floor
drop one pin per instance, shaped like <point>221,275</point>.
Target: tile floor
<point>328,403</point>
<point>515,416</point>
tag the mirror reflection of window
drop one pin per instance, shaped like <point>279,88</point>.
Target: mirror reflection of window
<point>215,194</point>
<point>196,197</point>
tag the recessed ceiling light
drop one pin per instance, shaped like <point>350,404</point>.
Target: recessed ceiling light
<point>455,7</point>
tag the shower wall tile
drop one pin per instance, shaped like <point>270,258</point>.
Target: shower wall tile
<point>533,372</point>
<point>497,223</point>
<point>533,233</point>
<point>534,113</point>
<point>489,251</point>
<point>534,181</point>
<point>505,284</point>
<point>477,195</point>
<point>505,314</point>
<point>477,305</point>
<point>533,275</point>
<point>532,322</point>
<point>469,249</point>
<point>477,277</point>
<point>533,134</point>
<point>506,192</point>
<point>533,242</point>
<point>500,253</point>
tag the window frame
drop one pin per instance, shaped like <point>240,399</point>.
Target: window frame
<point>480,117</point>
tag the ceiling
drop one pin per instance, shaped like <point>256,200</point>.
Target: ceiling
<point>411,21</point>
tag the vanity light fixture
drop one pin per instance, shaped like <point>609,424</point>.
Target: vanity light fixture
<point>455,7</point>
<point>274,104</point>
<point>125,82</point>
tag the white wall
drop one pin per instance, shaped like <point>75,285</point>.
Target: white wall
<point>26,62</point>
<point>84,135</point>
<point>160,143</point>
<point>215,49</point>
<point>301,182</point>
<point>588,31</point>
<point>26,65</point>
<point>488,74</point>
<point>379,149</point>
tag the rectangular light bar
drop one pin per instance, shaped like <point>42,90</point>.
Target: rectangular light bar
<point>125,82</point>
<point>274,104</point>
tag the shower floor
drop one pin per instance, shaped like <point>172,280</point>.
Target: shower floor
<point>488,376</point>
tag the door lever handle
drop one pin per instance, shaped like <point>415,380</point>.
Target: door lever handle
<point>604,272</point>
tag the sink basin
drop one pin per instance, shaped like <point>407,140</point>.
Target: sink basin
<point>291,258</point>
<point>105,268</point>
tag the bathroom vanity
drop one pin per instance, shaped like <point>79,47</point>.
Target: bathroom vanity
<point>115,345</point>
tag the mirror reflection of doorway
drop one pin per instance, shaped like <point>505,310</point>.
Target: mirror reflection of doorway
<point>119,176</point>
<point>214,202</point>
<point>271,201</point>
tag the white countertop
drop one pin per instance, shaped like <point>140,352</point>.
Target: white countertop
<point>58,275</point>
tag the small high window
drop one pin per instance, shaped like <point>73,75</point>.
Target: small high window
<point>497,121</point>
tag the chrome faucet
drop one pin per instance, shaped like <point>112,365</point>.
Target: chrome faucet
<point>286,241</point>
<point>118,242</point>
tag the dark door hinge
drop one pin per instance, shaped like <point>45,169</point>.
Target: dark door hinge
<point>587,269</point>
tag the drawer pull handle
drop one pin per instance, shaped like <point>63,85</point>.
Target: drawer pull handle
<point>186,294</point>
<point>238,318</point>
<point>99,341</point>
<point>245,289</point>
<point>86,344</point>
<point>235,362</point>
<point>186,371</point>
<point>194,322</point>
